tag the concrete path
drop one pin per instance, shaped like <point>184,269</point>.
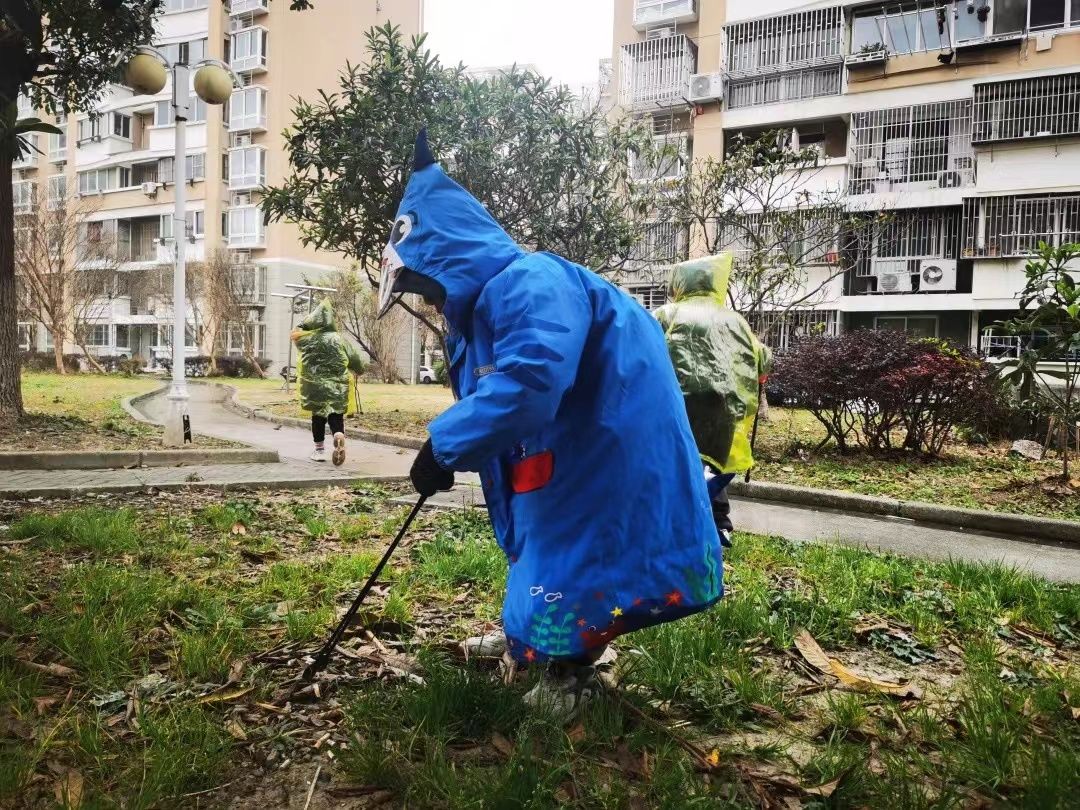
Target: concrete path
<point>209,417</point>
<point>898,536</point>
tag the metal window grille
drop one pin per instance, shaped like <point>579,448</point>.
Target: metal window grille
<point>798,237</point>
<point>921,146</point>
<point>667,162</point>
<point>784,43</point>
<point>661,243</point>
<point>1013,226</point>
<point>907,235</point>
<point>1040,107</point>
<point>656,72</point>
<point>805,84</point>
<point>781,330</point>
<point>651,296</point>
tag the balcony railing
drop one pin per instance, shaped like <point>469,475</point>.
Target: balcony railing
<point>1013,226</point>
<point>648,13</point>
<point>919,147</point>
<point>774,89</point>
<point>656,72</point>
<point>1040,107</point>
<point>661,243</point>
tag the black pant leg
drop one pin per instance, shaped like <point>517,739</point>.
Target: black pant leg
<point>318,428</point>
<point>337,422</point>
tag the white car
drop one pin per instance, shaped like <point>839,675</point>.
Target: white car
<point>427,375</point>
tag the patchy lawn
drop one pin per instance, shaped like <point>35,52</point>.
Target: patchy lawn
<point>145,643</point>
<point>973,476</point>
<point>83,412</point>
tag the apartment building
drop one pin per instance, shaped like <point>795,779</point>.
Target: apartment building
<point>119,161</point>
<point>961,120</point>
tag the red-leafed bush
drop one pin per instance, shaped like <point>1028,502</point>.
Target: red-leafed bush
<point>884,390</point>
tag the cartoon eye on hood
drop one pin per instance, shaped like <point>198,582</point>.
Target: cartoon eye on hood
<point>392,265</point>
<point>444,234</point>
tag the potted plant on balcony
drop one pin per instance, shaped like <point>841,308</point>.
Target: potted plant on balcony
<point>871,53</point>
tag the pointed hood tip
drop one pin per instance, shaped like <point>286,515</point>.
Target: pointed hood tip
<point>422,157</point>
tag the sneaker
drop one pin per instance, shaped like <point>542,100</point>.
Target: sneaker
<point>492,645</point>
<point>563,691</point>
<point>319,454</point>
<point>339,449</point>
<point>725,538</point>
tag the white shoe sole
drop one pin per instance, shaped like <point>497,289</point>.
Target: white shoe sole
<point>339,449</point>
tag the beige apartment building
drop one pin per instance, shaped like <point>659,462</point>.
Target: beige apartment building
<point>961,119</point>
<point>119,162</point>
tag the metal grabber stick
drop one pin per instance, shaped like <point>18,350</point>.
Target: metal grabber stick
<point>323,658</point>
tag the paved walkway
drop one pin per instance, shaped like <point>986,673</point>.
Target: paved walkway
<point>905,537</point>
<point>210,418</point>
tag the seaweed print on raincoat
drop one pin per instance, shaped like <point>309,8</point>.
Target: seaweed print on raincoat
<point>719,361</point>
<point>326,358</point>
<point>569,409</point>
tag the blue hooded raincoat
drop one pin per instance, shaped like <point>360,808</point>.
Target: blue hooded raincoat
<point>569,409</point>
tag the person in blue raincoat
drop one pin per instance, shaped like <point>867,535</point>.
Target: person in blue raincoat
<point>569,408</point>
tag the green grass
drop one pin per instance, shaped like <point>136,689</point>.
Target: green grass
<point>121,590</point>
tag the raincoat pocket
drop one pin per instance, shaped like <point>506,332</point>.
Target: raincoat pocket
<point>532,473</point>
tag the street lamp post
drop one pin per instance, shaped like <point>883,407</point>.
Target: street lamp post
<point>214,81</point>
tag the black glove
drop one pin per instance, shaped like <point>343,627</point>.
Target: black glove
<point>428,476</point>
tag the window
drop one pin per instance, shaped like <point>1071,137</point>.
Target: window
<point>1013,226</point>
<point>122,339</point>
<point>195,168</point>
<point>910,27</point>
<point>790,41</point>
<point>49,344</point>
<point>650,296</point>
<point>248,49</point>
<point>247,109</point>
<point>165,334</point>
<point>1042,106</point>
<point>188,53</point>
<point>247,167</point>
<point>195,226</point>
<point>245,226</point>
<point>98,335</point>
<point>89,129</point>
<point>804,84</point>
<point>121,125</point>
<point>26,337</point>
<point>1047,14</point>
<point>95,180</point>
<point>165,117</point>
<point>174,6</point>
<point>1010,16</point>
<point>144,173</point>
<point>57,190</point>
<point>922,326</point>
<point>23,195</point>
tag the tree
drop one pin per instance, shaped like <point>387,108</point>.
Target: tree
<point>1047,370</point>
<point>356,306</point>
<point>231,295</point>
<point>555,176</point>
<point>69,272</point>
<point>766,204</point>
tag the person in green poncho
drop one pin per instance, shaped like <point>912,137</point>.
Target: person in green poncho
<point>326,358</point>
<point>720,365</point>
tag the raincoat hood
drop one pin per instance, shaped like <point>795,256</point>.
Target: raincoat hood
<point>707,276</point>
<point>320,319</point>
<point>441,231</point>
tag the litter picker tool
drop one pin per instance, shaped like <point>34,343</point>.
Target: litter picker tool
<point>323,657</point>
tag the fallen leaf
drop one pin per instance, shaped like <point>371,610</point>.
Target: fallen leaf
<point>502,745</point>
<point>864,683</point>
<point>236,670</point>
<point>1075,712</point>
<point>869,627</point>
<point>69,790</point>
<point>41,704</point>
<point>576,734</point>
<point>239,528</point>
<point>826,790</point>
<point>811,651</point>
<point>56,670</point>
<point>225,696</point>
<point>236,731</point>
<point>714,757</point>
<point>767,711</point>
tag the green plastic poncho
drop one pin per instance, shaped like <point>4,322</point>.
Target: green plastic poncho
<point>326,358</point>
<point>719,361</point>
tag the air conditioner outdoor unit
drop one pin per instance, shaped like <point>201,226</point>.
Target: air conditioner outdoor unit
<point>241,256</point>
<point>242,139</point>
<point>240,200</point>
<point>150,189</point>
<point>660,33</point>
<point>894,282</point>
<point>937,274</point>
<point>706,87</point>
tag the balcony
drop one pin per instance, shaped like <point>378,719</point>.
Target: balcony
<point>666,163</point>
<point>28,158</point>
<point>247,168</point>
<point>24,193</point>
<point>784,43</point>
<point>655,73</point>
<point>255,8</point>
<point>249,282</point>
<point>648,13</point>
<point>662,243</point>
<point>922,147</point>
<point>246,227</point>
<point>248,50</point>
<point>58,148</point>
<point>1022,109</point>
<point>247,110</point>
<point>1013,226</point>
<point>911,251</point>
